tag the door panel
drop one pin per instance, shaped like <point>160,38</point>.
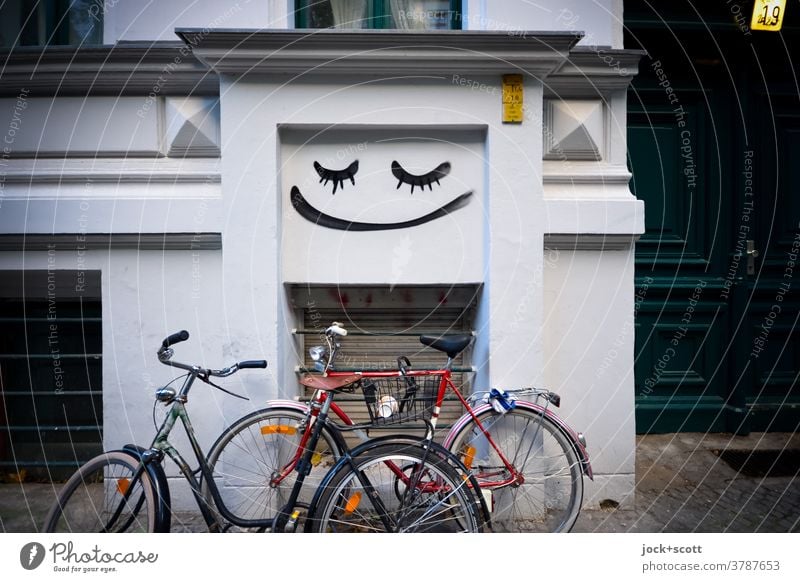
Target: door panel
<point>770,355</point>
<point>716,345</point>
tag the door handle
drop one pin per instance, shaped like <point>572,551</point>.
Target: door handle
<point>751,253</point>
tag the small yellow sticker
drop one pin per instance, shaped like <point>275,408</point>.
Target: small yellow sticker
<point>513,99</point>
<point>768,15</point>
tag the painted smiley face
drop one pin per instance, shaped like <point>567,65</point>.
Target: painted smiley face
<point>338,178</point>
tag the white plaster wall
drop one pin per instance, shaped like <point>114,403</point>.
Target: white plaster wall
<point>254,236</point>
<point>77,126</point>
<point>130,20</point>
<point>447,250</point>
<point>589,350</point>
<point>99,165</point>
<point>146,295</point>
<point>600,20</point>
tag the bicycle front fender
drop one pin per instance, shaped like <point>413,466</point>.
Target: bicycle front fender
<point>562,426</point>
<point>155,471</point>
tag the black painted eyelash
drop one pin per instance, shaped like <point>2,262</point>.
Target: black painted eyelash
<point>337,176</point>
<point>413,180</point>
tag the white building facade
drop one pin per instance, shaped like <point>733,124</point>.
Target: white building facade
<point>204,179</point>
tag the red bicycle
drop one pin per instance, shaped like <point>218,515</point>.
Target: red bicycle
<point>528,463</point>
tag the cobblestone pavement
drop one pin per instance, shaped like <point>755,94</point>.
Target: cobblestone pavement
<point>681,486</point>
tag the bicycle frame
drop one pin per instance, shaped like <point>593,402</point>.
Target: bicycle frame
<point>471,413</point>
<point>161,446</point>
<point>319,399</point>
<point>446,381</point>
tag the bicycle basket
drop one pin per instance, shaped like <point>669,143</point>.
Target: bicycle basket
<point>397,400</point>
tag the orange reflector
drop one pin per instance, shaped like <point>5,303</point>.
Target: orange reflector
<point>469,456</point>
<point>353,502</point>
<point>122,485</point>
<point>278,429</point>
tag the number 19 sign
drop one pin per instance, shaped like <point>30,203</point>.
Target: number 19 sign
<point>768,15</point>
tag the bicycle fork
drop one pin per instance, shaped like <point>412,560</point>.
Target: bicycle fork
<point>286,519</point>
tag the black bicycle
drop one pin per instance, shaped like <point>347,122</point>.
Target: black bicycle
<point>391,484</point>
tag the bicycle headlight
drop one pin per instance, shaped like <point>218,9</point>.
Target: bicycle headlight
<point>317,353</point>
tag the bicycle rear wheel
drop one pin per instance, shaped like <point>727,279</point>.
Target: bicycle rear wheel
<point>105,496</point>
<point>253,451</point>
<point>396,487</point>
<point>549,496</point>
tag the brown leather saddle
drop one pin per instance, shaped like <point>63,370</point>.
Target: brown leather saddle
<point>328,382</point>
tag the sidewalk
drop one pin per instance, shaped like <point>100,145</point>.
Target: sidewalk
<point>682,485</point>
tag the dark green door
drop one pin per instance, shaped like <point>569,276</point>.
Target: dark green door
<point>714,146</point>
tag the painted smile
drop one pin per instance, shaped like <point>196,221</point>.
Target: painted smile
<point>319,218</point>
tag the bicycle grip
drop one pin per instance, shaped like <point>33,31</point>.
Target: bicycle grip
<point>253,364</point>
<point>180,336</point>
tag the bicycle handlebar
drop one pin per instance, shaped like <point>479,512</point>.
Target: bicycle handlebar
<point>252,364</point>
<point>175,338</point>
<point>165,354</point>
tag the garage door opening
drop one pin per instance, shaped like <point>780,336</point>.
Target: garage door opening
<point>51,409</point>
<point>383,324</point>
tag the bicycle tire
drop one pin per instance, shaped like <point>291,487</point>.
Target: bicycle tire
<point>550,498</point>
<point>245,457</point>
<point>360,495</point>
<point>92,495</point>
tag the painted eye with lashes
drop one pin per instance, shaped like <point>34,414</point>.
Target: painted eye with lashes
<point>337,176</point>
<point>423,180</point>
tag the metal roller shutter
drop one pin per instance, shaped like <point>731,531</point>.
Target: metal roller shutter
<point>379,332</point>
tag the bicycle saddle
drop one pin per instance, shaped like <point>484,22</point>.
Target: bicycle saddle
<point>452,345</point>
<point>328,383</point>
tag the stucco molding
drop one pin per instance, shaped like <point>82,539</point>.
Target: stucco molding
<point>126,68</point>
<point>590,71</point>
<point>589,242</point>
<point>200,241</point>
<point>29,172</point>
<point>328,52</point>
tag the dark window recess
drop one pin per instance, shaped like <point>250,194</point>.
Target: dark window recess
<point>51,410</point>
<point>51,22</point>
<point>396,14</point>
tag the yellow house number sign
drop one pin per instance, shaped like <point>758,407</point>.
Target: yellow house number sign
<point>512,99</point>
<point>768,15</point>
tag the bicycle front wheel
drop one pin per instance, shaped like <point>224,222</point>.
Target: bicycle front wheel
<point>547,493</point>
<point>253,462</point>
<point>105,495</point>
<point>396,487</point>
